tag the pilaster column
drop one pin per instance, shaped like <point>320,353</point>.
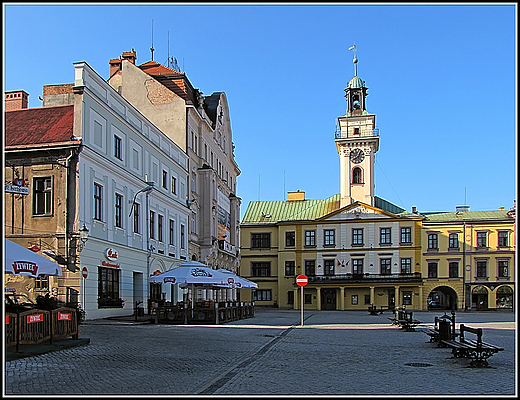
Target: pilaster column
<point>297,299</point>
<point>372,295</point>
<point>318,298</point>
<point>342,298</point>
<point>397,296</point>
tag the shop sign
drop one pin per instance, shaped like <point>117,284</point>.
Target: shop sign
<point>111,254</point>
<point>169,279</point>
<point>34,318</point>
<point>109,264</point>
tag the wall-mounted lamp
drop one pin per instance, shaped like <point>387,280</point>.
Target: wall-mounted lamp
<point>83,237</point>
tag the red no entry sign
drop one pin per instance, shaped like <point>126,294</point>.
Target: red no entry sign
<point>84,271</point>
<point>302,280</point>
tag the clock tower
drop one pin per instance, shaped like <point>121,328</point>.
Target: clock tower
<point>357,141</point>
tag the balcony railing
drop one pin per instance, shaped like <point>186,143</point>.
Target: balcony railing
<point>355,278</point>
<point>337,133</point>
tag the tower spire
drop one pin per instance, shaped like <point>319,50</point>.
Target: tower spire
<point>355,60</point>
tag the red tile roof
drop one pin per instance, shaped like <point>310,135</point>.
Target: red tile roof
<point>154,68</point>
<point>45,125</point>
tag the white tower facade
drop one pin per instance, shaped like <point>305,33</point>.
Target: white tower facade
<point>357,141</point>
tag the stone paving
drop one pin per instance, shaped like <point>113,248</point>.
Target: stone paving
<point>333,353</point>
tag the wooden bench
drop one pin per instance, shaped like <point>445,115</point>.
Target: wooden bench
<point>372,309</point>
<point>477,350</point>
<point>404,319</point>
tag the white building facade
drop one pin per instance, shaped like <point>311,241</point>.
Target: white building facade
<point>132,185</point>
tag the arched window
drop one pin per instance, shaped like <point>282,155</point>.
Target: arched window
<point>357,175</point>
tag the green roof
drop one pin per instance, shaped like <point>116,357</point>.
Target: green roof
<point>495,215</point>
<point>270,212</point>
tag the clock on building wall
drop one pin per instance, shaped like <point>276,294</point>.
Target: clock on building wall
<point>357,155</point>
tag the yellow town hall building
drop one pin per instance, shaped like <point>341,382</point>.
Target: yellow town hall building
<point>358,249</point>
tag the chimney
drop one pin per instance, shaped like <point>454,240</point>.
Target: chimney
<point>130,56</point>
<point>115,65</point>
<point>295,196</point>
<point>16,100</point>
<point>414,210</point>
<point>460,209</point>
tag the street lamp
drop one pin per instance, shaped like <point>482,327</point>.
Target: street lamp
<point>147,191</point>
<point>83,237</point>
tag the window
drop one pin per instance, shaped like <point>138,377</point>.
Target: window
<point>174,185</point>
<point>98,201</point>
<point>183,237</point>
<point>117,147</point>
<point>453,241</point>
<point>119,211</point>
<point>307,299</point>
<point>152,224</point>
<point>385,235</point>
<point>356,131</point>
<point>367,299</point>
<point>453,269</point>
<point>172,232</point>
<point>406,265</point>
<point>357,265</point>
<point>108,288</point>
<point>290,268</point>
<point>260,240</point>
<point>160,228</point>
<point>262,295</point>
<point>328,267</point>
<point>329,237</point>
<point>503,239</point>
<point>290,239</point>
<point>290,297</point>
<point>482,269</point>
<point>261,268</point>
<point>386,266</point>
<point>503,269</point>
<point>42,196</point>
<point>357,175</point>
<point>357,237</point>
<point>41,282</point>
<point>354,299</point>
<point>406,234</point>
<point>433,241</point>
<point>432,270</point>
<point>407,298</point>
<point>137,228</point>
<point>310,238</point>
<point>310,267</point>
<point>481,239</point>
<point>165,179</point>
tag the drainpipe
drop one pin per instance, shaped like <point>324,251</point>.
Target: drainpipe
<point>67,166</point>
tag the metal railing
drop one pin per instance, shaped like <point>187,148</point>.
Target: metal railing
<point>351,278</point>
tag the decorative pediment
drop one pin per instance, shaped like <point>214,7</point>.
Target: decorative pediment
<point>358,210</point>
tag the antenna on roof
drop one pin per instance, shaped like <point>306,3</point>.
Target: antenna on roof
<point>151,48</point>
<point>172,61</point>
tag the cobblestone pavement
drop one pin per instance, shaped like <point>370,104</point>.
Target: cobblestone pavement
<point>333,353</point>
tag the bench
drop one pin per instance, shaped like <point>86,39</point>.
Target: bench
<point>372,309</point>
<point>477,350</point>
<point>404,319</point>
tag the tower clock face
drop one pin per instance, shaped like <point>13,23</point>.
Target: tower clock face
<point>357,155</point>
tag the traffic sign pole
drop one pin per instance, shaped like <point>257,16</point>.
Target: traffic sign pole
<point>301,280</point>
<point>302,307</point>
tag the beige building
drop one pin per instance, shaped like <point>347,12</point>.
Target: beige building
<point>201,126</point>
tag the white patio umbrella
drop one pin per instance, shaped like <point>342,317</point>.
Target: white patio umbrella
<point>22,261</point>
<point>237,281</point>
<point>191,272</point>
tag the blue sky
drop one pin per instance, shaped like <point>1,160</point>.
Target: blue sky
<point>441,78</point>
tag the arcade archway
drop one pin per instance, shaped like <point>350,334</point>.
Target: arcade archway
<point>443,298</point>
